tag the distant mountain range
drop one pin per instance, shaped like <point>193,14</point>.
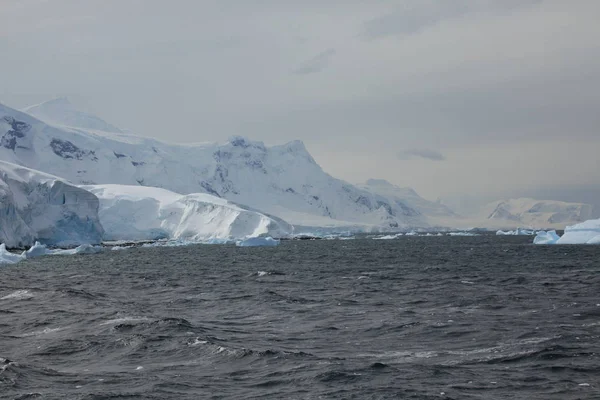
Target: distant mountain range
<point>284,181</point>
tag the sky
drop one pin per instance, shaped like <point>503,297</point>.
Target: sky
<point>459,99</point>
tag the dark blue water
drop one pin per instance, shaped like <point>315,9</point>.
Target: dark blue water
<point>417,318</point>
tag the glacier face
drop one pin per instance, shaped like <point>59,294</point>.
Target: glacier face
<point>148,213</point>
<point>284,180</point>
<point>37,206</point>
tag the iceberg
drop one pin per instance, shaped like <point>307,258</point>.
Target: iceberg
<point>543,237</point>
<point>6,257</point>
<point>35,206</point>
<point>258,241</point>
<point>150,213</point>
<point>587,232</point>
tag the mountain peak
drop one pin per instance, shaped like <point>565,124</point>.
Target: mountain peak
<point>378,182</point>
<point>62,112</point>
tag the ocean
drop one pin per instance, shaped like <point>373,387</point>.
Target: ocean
<point>483,317</point>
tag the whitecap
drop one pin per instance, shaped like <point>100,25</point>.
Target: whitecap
<point>124,319</point>
<point>18,295</point>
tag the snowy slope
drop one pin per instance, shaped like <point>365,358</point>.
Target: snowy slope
<point>36,206</point>
<point>148,213</point>
<point>282,180</point>
<point>61,112</point>
<point>532,213</point>
<point>435,213</point>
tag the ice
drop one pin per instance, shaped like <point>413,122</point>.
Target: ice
<point>517,232</point>
<point>6,257</point>
<point>462,234</point>
<point>37,206</point>
<point>388,237</point>
<point>148,213</point>
<point>544,237</point>
<point>37,250</point>
<point>587,232</point>
<point>257,241</point>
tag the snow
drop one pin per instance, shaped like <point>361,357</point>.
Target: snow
<point>283,180</point>
<point>147,213</point>
<point>61,111</point>
<point>543,237</point>
<point>258,241</point>
<point>37,206</point>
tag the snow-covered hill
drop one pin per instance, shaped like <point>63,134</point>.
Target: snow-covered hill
<point>435,213</point>
<point>532,213</point>
<point>147,213</point>
<point>37,206</point>
<point>60,111</point>
<point>283,180</point>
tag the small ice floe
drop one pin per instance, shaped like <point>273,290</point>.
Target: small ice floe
<point>388,237</point>
<point>517,232</point>
<point>139,368</point>
<point>258,242</point>
<point>262,273</point>
<point>462,234</point>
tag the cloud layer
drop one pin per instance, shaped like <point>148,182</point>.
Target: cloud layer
<point>508,85</point>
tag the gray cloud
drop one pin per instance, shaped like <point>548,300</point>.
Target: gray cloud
<point>509,84</point>
<point>417,15</point>
<point>316,64</point>
<point>427,154</point>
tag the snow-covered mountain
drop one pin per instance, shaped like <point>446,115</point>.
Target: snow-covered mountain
<point>435,213</point>
<point>148,213</point>
<point>532,213</point>
<point>283,180</point>
<point>60,111</point>
<point>37,206</point>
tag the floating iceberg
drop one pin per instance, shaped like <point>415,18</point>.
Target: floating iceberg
<point>544,237</point>
<point>149,213</point>
<point>6,257</point>
<point>587,232</point>
<point>258,241</point>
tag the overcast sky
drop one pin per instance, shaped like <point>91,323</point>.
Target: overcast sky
<point>489,98</point>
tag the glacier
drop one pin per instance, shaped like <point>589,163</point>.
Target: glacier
<point>283,180</point>
<point>587,232</point>
<point>35,206</point>
<point>148,213</point>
